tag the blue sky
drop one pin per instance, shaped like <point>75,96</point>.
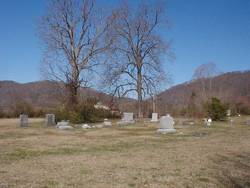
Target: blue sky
<point>202,31</point>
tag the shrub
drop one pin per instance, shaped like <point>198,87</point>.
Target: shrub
<point>216,109</point>
<point>83,112</point>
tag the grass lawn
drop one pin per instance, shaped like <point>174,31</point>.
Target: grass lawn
<point>133,156</point>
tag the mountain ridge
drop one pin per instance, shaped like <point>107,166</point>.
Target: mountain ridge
<point>232,87</point>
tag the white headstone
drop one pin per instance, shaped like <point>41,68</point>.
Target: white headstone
<point>86,126</point>
<point>166,125</point>
<point>209,122</point>
<point>24,120</point>
<point>50,120</point>
<point>128,116</point>
<point>154,117</point>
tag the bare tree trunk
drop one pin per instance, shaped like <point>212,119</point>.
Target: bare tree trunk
<point>72,95</point>
<point>136,65</point>
<point>139,92</point>
<point>154,105</point>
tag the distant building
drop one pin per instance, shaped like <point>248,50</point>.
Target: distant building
<point>99,105</point>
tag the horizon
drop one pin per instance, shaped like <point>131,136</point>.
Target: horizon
<point>201,32</point>
<point>185,82</point>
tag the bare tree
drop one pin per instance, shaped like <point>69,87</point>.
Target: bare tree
<point>204,74</point>
<point>137,57</point>
<point>73,32</point>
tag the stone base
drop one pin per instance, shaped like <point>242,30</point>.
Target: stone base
<point>154,121</point>
<point>165,131</point>
<point>65,127</point>
<point>107,124</point>
<point>86,126</point>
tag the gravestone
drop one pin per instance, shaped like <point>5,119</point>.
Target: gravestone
<point>107,123</point>
<point>248,121</point>
<point>154,117</point>
<point>63,125</point>
<point>24,120</point>
<point>86,126</point>
<point>127,118</point>
<point>166,125</point>
<point>209,122</point>
<point>50,120</point>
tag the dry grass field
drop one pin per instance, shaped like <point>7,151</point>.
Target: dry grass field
<point>133,156</point>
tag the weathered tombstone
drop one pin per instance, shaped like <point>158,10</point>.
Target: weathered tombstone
<point>63,125</point>
<point>154,117</point>
<point>127,118</point>
<point>228,113</point>
<point>50,120</point>
<point>166,125</point>
<point>107,123</point>
<point>24,120</point>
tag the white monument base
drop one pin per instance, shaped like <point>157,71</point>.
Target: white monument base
<point>154,120</point>
<point>165,131</point>
<point>64,125</point>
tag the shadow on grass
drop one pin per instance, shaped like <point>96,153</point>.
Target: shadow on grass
<point>234,170</point>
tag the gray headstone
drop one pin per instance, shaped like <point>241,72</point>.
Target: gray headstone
<point>50,120</point>
<point>166,125</point>
<point>127,118</point>
<point>24,120</point>
<point>107,123</point>
<point>248,121</point>
<point>154,117</point>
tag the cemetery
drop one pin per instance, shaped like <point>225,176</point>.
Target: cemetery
<point>124,94</point>
<point>65,154</point>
